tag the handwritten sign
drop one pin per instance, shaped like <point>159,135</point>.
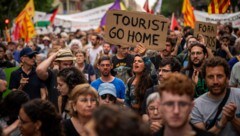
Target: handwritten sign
<point>209,31</point>
<point>130,28</point>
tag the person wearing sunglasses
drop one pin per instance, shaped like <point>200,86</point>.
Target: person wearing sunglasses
<point>107,94</point>
<point>25,78</point>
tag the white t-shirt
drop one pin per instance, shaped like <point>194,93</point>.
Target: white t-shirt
<point>93,53</point>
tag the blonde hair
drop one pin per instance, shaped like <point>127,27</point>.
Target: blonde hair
<point>78,90</point>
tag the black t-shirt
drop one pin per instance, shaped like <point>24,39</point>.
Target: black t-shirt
<point>199,132</point>
<point>69,129</point>
<point>6,64</point>
<point>32,88</point>
<point>122,68</point>
<point>51,84</point>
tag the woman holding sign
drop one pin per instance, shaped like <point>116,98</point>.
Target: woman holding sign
<point>137,85</point>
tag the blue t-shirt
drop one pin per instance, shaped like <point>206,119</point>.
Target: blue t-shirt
<point>118,83</point>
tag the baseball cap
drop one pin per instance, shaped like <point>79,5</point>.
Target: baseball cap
<point>107,88</point>
<point>65,54</point>
<point>27,52</point>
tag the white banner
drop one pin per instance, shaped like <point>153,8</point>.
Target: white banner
<point>234,18</point>
<point>85,20</point>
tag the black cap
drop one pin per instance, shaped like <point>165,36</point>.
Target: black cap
<point>27,52</point>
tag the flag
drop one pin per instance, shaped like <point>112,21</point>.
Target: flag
<point>24,27</point>
<point>158,7</point>
<point>174,22</point>
<point>48,18</point>
<point>117,5</point>
<point>146,7</point>
<point>188,15</point>
<point>218,6</point>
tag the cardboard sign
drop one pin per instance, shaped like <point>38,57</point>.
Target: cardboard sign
<point>209,31</point>
<point>130,28</point>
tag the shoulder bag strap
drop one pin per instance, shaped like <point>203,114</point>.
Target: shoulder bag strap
<point>220,106</point>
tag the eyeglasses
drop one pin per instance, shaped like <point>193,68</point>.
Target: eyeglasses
<point>170,105</point>
<point>109,96</point>
<point>152,109</point>
<point>85,100</point>
<point>197,53</point>
<point>22,121</point>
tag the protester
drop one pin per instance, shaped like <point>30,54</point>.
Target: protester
<point>4,62</point>
<point>122,63</point>
<point>58,60</point>
<point>166,66</point>
<point>153,110</point>
<point>25,78</point>
<point>67,79</point>
<point>137,85</point>
<point>114,121</point>
<point>105,66</point>
<point>84,101</point>
<point>198,54</point>
<point>107,94</point>
<point>40,117</point>
<point>217,110</point>
<point>84,67</point>
<point>176,101</point>
<point>10,107</point>
<point>235,76</point>
<point>94,52</point>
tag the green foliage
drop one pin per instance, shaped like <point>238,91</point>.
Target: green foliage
<point>169,7</point>
<point>11,8</point>
<point>97,3</point>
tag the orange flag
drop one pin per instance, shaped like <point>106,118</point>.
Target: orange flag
<point>188,15</point>
<point>218,6</point>
<point>24,24</point>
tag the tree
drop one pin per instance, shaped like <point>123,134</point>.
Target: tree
<point>11,8</point>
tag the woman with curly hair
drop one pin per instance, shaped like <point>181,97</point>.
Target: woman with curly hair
<point>40,118</point>
<point>67,79</point>
<point>137,85</point>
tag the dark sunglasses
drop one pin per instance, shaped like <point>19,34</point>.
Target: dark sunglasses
<point>110,97</point>
<point>30,56</point>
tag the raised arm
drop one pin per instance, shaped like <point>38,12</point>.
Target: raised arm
<point>43,67</point>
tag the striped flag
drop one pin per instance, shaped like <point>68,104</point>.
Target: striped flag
<point>188,15</point>
<point>24,27</point>
<point>218,6</point>
<point>146,7</point>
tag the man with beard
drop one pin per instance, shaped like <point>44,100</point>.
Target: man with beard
<point>94,52</point>
<point>105,65</point>
<point>198,54</point>
<point>163,54</point>
<point>176,103</point>
<point>218,110</point>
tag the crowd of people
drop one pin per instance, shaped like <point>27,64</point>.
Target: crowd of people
<point>76,84</point>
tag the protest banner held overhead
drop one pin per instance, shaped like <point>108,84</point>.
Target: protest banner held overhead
<point>209,31</point>
<point>130,28</point>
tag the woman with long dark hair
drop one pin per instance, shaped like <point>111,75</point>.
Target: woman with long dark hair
<point>137,85</point>
<point>67,79</point>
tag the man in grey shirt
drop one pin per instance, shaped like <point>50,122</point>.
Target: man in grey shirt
<point>216,73</point>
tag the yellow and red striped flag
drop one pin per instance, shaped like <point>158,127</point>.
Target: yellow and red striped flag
<point>218,6</point>
<point>188,15</point>
<point>24,24</point>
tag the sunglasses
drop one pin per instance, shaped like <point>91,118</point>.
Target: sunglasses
<point>110,97</point>
<point>30,56</point>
